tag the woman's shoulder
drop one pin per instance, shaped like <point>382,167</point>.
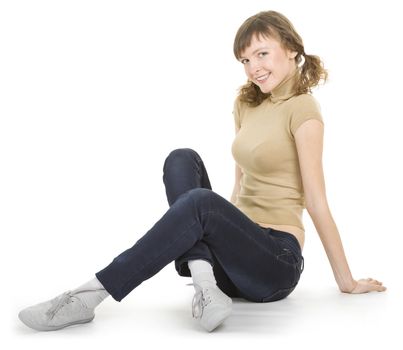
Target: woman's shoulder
<point>239,102</point>
<point>303,102</point>
<point>240,106</point>
<point>304,98</point>
<point>296,101</point>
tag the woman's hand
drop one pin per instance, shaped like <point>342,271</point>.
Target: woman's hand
<point>366,285</point>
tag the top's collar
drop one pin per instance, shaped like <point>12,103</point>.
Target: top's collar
<point>285,89</point>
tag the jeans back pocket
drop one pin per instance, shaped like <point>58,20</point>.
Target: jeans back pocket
<point>297,261</point>
<point>288,256</point>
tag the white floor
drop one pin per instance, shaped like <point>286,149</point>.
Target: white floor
<point>158,313</point>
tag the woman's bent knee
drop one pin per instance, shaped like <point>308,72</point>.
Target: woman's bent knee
<point>180,155</point>
<point>181,152</point>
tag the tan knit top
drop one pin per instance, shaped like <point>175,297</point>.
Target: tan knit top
<point>271,188</point>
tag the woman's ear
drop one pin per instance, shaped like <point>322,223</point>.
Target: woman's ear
<point>292,54</point>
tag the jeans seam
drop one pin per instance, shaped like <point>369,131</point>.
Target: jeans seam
<point>268,297</point>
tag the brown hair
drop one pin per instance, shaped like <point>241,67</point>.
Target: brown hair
<point>275,25</point>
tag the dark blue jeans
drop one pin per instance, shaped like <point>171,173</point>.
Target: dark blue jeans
<point>249,261</point>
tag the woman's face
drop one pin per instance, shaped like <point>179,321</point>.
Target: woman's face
<point>266,63</point>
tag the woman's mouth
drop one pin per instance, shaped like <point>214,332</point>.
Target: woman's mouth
<point>263,78</point>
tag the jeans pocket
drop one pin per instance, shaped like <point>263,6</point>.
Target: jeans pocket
<point>289,283</point>
<point>287,256</point>
<point>292,258</point>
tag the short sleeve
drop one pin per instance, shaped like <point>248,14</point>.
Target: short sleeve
<point>306,107</point>
<point>237,113</point>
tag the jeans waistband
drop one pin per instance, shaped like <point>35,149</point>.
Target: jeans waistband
<point>288,238</point>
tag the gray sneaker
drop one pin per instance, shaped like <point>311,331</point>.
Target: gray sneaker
<point>64,310</point>
<point>211,307</point>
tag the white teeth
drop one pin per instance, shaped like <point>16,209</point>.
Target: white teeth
<point>263,77</point>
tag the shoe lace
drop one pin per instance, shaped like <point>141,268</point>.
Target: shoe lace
<point>199,301</point>
<point>63,300</point>
<point>58,303</point>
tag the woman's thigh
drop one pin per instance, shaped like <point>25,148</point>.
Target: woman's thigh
<point>247,257</point>
<point>256,261</point>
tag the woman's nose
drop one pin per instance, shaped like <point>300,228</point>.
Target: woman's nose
<point>254,67</point>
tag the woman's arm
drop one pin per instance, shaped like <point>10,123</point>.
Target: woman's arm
<point>237,186</point>
<point>238,175</point>
<point>309,143</point>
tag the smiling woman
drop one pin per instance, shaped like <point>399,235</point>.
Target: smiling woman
<point>279,139</point>
<point>270,48</point>
<point>277,70</point>
<point>251,247</point>
<point>264,69</point>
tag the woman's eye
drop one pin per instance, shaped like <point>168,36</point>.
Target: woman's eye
<point>260,54</point>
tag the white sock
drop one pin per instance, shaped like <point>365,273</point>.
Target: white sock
<point>91,293</point>
<point>202,274</point>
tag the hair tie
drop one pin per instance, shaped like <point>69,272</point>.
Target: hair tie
<point>303,60</point>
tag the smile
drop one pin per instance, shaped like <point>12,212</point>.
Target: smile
<point>263,78</point>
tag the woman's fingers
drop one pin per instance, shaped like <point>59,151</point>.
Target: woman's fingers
<point>371,280</point>
<point>366,285</point>
<point>377,285</point>
<point>380,288</point>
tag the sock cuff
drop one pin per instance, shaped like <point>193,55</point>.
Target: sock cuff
<point>199,266</point>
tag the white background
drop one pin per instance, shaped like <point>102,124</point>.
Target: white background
<point>95,94</point>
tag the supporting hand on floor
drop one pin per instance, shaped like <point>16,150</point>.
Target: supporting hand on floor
<point>366,285</point>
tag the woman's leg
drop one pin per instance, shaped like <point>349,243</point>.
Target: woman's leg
<point>260,262</point>
<point>263,264</point>
<point>184,170</point>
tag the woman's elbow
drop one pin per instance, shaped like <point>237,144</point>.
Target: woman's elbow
<point>316,206</point>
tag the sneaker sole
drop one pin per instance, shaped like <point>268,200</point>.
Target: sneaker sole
<point>54,328</point>
<point>216,319</point>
